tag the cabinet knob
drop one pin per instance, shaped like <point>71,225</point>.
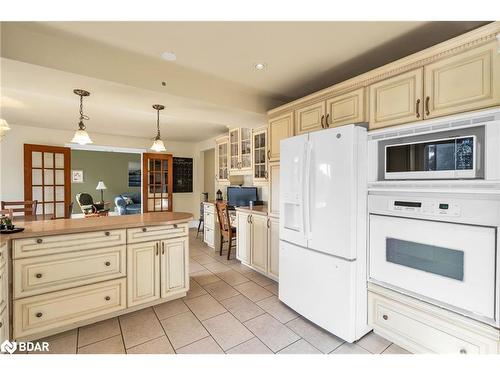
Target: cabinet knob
<point>385,317</point>
<point>39,240</point>
<point>107,298</point>
<point>38,275</point>
<point>107,264</point>
<point>463,351</point>
<point>107,233</point>
<point>1,324</point>
<point>38,314</point>
<point>144,229</point>
<point>175,226</point>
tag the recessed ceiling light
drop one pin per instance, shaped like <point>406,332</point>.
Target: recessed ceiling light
<point>169,56</point>
<point>260,66</point>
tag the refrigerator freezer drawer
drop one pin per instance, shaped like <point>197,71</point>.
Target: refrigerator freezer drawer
<point>323,289</point>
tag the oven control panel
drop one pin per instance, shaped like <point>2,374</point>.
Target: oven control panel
<point>425,207</point>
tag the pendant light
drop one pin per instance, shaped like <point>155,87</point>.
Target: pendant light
<point>158,144</point>
<point>81,136</point>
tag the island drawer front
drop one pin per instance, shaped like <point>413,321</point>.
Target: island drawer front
<point>38,314</point>
<point>62,271</point>
<point>49,245</point>
<point>154,233</point>
<point>421,332</point>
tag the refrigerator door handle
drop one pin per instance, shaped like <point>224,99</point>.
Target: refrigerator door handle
<point>307,192</point>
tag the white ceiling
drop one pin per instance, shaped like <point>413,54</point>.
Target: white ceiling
<point>211,85</point>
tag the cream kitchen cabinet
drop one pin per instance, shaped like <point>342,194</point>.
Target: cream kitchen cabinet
<point>258,242</point>
<point>397,100</point>
<point>464,82</point>
<point>4,325</point>
<point>273,240</point>
<point>240,151</point>
<point>279,128</point>
<point>338,110</point>
<point>346,109</point>
<point>155,269</point>
<point>260,173</point>
<point>258,233</point>
<point>221,160</point>
<point>243,240</point>
<point>310,118</point>
<point>274,189</point>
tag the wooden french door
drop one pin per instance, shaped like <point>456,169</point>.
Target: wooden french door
<point>157,177</point>
<point>47,178</point>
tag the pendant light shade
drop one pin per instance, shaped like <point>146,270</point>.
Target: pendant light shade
<point>158,144</point>
<point>4,127</point>
<point>81,136</point>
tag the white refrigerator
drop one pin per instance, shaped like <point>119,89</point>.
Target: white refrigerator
<point>323,225</point>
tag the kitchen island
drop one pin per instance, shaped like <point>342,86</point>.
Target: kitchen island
<point>60,274</point>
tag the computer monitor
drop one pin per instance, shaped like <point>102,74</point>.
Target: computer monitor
<point>241,195</point>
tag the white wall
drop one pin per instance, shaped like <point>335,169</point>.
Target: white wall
<point>11,159</point>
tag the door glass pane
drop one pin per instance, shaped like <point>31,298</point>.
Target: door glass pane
<point>59,193</point>
<point>434,259</point>
<point>59,160</point>
<point>37,193</point>
<point>48,177</point>
<point>48,160</point>
<point>49,208</point>
<point>59,209</point>
<point>157,164</point>
<point>36,175</point>
<point>151,204</point>
<point>48,193</point>
<point>59,177</point>
<point>36,159</point>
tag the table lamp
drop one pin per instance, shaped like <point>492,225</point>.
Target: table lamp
<point>101,187</point>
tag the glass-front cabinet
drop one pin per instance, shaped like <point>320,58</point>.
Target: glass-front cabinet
<point>259,154</point>
<point>221,158</point>
<point>240,150</point>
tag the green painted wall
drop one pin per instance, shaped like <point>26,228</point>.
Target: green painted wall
<point>110,167</point>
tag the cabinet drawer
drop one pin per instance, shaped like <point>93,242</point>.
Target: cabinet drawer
<point>4,325</point>
<point>64,243</point>
<point>209,208</point>
<point>208,236</point>
<point>421,332</point>
<point>34,315</point>
<point>155,233</point>
<point>62,271</point>
<point>4,285</point>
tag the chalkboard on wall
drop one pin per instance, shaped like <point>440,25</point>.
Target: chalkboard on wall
<point>183,175</point>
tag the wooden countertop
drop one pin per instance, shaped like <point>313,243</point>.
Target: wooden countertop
<point>63,226</point>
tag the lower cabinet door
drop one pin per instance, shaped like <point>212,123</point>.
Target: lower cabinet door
<point>143,271</point>
<point>174,258</point>
<point>258,255</point>
<point>273,247</point>
<point>35,316</point>
<point>243,237</point>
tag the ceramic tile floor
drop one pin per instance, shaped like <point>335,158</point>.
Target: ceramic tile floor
<point>228,309</point>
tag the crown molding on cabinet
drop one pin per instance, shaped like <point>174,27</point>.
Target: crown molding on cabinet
<point>459,44</point>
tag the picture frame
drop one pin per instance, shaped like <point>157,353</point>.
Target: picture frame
<point>77,176</point>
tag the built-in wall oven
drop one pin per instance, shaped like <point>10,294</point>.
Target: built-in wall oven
<point>440,248</point>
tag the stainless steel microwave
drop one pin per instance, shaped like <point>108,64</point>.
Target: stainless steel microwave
<point>442,158</point>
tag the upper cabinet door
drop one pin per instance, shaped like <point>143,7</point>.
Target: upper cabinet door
<point>221,160</point>
<point>279,128</point>
<point>468,81</point>
<point>310,118</point>
<point>234,148</point>
<point>346,108</point>
<point>397,100</point>
<point>246,148</point>
<point>259,156</point>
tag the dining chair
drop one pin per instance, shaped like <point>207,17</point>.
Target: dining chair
<point>227,231</point>
<point>201,224</point>
<point>27,207</point>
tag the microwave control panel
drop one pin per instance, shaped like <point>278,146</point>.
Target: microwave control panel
<point>425,207</point>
